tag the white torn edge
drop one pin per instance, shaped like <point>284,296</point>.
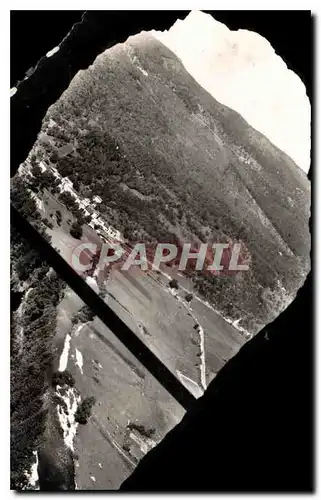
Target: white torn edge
<point>52,51</point>
<point>14,89</point>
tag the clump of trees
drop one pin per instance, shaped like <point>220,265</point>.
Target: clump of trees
<point>84,315</point>
<point>54,157</point>
<point>62,378</point>
<point>70,203</point>
<point>84,410</point>
<point>42,180</point>
<point>148,432</point>
<point>58,217</point>
<point>31,360</point>
<point>173,284</point>
<point>23,256</point>
<point>30,353</point>
<point>189,297</point>
<point>22,200</point>
<point>68,200</point>
<point>76,230</point>
<point>48,223</point>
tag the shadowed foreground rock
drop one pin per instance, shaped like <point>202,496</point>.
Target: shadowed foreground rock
<point>253,428</point>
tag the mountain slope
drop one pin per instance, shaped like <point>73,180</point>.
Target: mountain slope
<point>170,161</point>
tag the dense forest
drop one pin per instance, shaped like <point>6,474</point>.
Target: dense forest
<point>35,293</point>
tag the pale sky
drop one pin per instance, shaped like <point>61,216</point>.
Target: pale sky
<point>241,70</point>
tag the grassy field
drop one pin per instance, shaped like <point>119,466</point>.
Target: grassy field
<point>125,392</point>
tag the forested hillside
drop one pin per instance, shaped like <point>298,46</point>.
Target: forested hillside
<point>35,293</point>
<point>171,163</point>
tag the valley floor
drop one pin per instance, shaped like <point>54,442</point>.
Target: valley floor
<point>106,449</point>
<point>133,411</point>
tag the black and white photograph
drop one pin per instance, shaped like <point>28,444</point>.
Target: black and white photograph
<point>161,250</point>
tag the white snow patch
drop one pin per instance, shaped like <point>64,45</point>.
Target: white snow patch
<point>79,360</point>
<point>52,51</point>
<point>200,331</point>
<point>202,349</point>
<point>66,414</point>
<point>33,475</point>
<point>236,325</point>
<point>63,361</point>
<point>99,465</point>
<point>77,331</point>
<point>192,386</point>
<point>22,303</point>
<point>13,91</point>
<point>144,445</point>
<point>142,71</point>
<point>93,478</point>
